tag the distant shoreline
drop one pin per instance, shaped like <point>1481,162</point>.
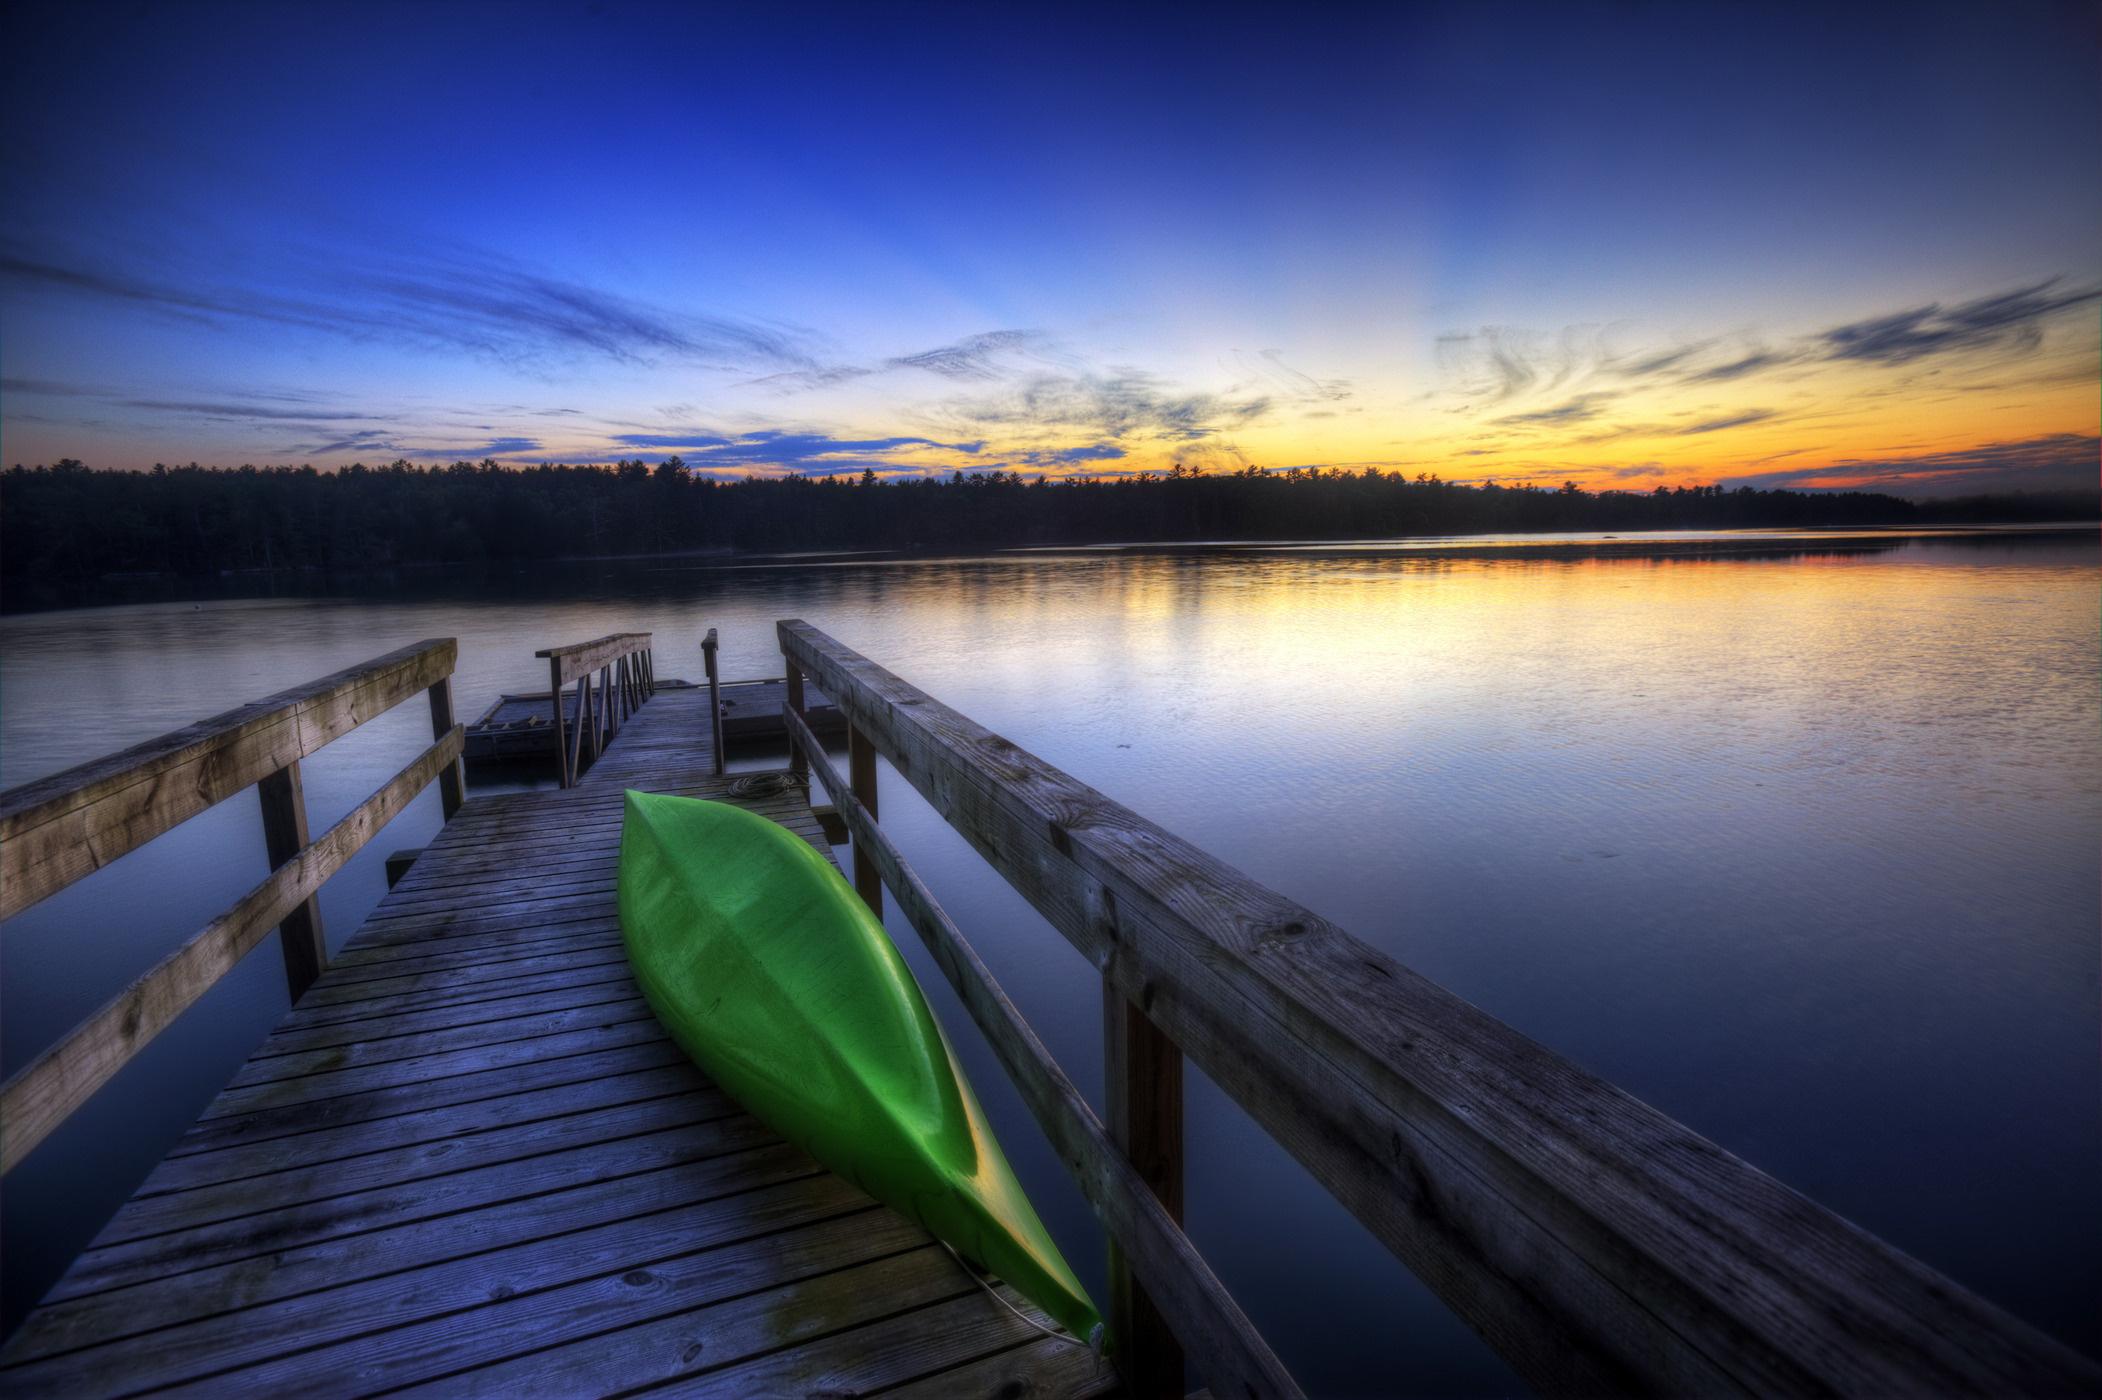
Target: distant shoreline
<point>117,587</point>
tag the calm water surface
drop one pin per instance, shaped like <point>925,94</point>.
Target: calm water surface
<point>1796,841</point>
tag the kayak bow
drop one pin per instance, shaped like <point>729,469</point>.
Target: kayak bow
<point>771,973</point>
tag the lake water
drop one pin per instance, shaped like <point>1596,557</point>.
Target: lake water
<point>1795,838</point>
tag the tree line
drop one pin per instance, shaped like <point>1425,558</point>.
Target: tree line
<point>70,522</point>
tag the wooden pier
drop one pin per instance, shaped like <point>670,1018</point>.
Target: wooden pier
<point>470,1162</point>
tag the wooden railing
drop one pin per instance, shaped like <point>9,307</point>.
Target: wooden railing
<point>54,831</point>
<point>614,675</point>
<point>709,646</point>
<point>1598,1245</point>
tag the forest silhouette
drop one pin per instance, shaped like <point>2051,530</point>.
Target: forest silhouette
<point>70,522</point>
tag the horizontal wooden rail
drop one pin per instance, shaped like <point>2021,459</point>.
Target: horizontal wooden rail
<point>582,658</point>
<point>38,1099</point>
<point>58,829</point>
<point>1237,1360</point>
<point>1597,1244</point>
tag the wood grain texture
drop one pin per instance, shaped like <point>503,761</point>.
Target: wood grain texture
<point>40,1096</point>
<point>300,938</point>
<point>58,829</point>
<point>581,658</point>
<point>1599,1245</point>
<point>470,1146</point>
<point>1138,1219</point>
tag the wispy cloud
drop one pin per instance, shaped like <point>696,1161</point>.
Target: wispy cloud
<point>1502,366</point>
<point>2011,320</point>
<point>1291,385</point>
<point>1126,403</point>
<point>2058,461</point>
<point>244,412</point>
<point>481,304</point>
<point>974,357</point>
<point>809,452</point>
<point>1073,456</point>
<point>1577,410</point>
<point>1717,425</point>
<point>1739,367</point>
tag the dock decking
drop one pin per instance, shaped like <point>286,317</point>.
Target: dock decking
<point>469,1161</point>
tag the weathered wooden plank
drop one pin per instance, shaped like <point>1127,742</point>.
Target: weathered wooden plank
<point>1600,1246</point>
<point>620,1029</point>
<point>417,1319</point>
<point>878,1355</point>
<point>1146,1225</point>
<point>394,1100</point>
<point>700,1344</point>
<point>1142,1101</point>
<point>38,1098</point>
<point>306,1281</point>
<point>510,1328</point>
<point>1049,1368</point>
<point>388,961</point>
<point>460,1151</point>
<point>300,937</point>
<point>452,783</point>
<point>57,829</point>
<point>580,658</point>
<point>366,1232</point>
<point>458,1005</point>
<point>320,1150</point>
<point>387,1042</point>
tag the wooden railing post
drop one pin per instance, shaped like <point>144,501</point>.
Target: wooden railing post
<point>861,780</point>
<point>715,698</point>
<point>797,761</point>
<point>554,686</point>
<point>284,837</point>
<point>1143,1098</point>
<point>452,781</point>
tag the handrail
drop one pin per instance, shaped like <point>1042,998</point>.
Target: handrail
<point>116,804</point>
<point>715,698</point>
<point>580,658</point>
<point>1596,1243</point>
<point>55,830</point>
<point>1237,1360</point>
<point>614,674</point>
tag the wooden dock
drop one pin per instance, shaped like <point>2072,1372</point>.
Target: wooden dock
<point>470,1161</point>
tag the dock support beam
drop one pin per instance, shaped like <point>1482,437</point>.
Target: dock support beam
<point>1143,1099</point>
<point>284,837</point>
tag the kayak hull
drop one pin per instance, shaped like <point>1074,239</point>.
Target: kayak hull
<point>770,972</point>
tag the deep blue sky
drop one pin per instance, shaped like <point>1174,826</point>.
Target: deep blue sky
<point>1624,242</point>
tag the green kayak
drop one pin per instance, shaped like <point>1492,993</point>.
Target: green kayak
<point>771,973</point>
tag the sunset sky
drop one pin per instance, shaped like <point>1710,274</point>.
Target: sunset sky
<point>1627,245</point>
